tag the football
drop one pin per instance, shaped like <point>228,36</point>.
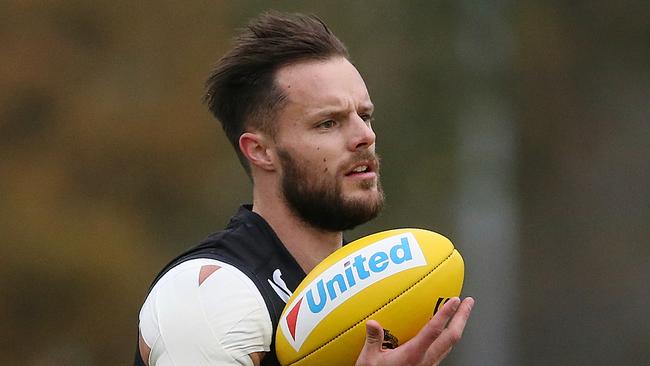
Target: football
<point>398,277</point>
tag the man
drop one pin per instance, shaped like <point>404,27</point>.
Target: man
<point>299,116</point>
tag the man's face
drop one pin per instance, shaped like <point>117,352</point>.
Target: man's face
<point>326,145</point>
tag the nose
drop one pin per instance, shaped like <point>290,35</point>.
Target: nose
<point>362,134</point>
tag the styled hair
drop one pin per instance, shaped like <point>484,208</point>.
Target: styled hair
<point>241,91</point>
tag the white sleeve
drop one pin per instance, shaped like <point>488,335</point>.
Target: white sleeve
<point>205,312</point>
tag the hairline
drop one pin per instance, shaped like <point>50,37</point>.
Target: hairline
<point>279,97</point>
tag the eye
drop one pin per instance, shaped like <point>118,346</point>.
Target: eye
<point>326,125</point>
<point>366,118</point>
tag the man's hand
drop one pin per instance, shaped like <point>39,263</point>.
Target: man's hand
<point>430,346</point>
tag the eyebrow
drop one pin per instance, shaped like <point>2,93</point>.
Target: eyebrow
<point>338,112</point>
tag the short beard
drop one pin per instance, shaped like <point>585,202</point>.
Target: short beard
<point>319,201</point>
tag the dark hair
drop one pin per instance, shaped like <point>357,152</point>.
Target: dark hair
<point>241,90</point>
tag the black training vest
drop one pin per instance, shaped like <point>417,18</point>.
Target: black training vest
<point>249,244</point>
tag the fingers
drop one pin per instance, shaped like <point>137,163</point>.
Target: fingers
<point>450,335</point>
<point>374,337</point>
<point>430,346</point>
<point>432,330</point>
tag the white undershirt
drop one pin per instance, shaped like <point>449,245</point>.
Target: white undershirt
<point>219,322</point>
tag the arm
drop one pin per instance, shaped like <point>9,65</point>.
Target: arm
<point>257,357</point>
<point>429,347</point>
<point>204,312</point>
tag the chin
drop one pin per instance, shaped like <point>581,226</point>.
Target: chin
<point>363,185</point>
<point>366,196</point>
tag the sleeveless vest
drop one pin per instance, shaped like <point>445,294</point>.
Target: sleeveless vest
<point>250,244</point>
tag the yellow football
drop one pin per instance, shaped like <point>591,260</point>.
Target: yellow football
<point>398,277</point>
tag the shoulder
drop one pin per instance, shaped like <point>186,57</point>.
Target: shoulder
<point>205,311</point>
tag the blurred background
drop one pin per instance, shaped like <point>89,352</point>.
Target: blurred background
<point>519,129</point>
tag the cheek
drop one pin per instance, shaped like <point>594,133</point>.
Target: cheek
<point>319,159</point>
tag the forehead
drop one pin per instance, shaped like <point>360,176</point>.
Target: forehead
<point>312,86</point>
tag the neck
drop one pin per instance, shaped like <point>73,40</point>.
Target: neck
<point>307,244</point>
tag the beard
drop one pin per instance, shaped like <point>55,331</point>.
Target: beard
<point>318,200</point>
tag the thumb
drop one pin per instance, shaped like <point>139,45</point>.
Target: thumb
<point>374,336</point>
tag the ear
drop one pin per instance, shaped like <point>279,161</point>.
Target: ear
<point>255,147</point>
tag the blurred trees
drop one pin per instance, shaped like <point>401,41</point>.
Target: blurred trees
<point>110,165</point>
<point>584,178</point>
<point>104,168</point>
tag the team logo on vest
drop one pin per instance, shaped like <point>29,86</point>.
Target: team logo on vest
<point>345,279</point>
<point>279,286</point>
